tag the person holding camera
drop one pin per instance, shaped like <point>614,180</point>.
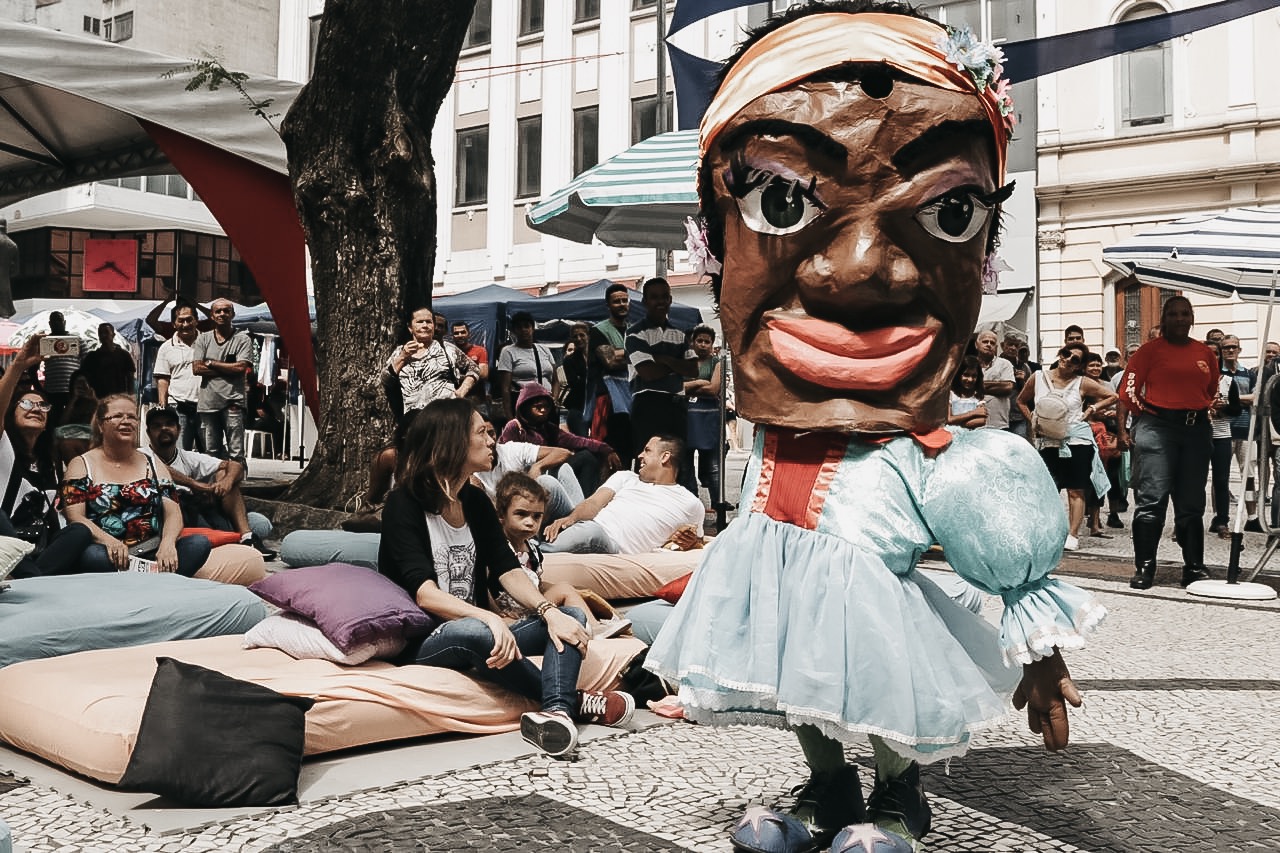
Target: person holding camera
<point>29,477</point>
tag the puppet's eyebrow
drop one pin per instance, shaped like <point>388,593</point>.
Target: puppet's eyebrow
<point>935,144</point>
<point>807,134</point>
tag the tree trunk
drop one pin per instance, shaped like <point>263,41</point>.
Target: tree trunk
<point>359,142</point>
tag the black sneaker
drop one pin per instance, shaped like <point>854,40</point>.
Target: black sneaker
<point>829,802</point>
<point>899,805</point>
<point>1114,522</point>
<point>258,545</point>
<point>1253,525</point>
<point>550,731</point>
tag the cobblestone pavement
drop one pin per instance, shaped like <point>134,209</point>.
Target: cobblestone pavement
<point>1174,749</point>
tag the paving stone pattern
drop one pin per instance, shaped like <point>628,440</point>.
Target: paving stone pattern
<point>1174,749</point>
<point>528,823</point>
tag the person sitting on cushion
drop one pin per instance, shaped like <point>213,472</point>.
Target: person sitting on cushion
<point>634,513</point>
<point>537,422</point>
<point>212,485</point>
<point>442,542</point>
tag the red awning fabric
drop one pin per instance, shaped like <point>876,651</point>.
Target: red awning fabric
<point>255,207</point>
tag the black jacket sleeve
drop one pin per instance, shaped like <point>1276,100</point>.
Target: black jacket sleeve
<point>494,557</point>
<point>404,552</point>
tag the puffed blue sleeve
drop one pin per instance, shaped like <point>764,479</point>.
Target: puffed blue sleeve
<point>993,508</point>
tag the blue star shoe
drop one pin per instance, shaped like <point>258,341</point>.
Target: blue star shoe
<point>763,830</point>
<point>869,838</point>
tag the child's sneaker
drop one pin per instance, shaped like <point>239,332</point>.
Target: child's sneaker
<point>611,628</point>
<point>606,708</point>
<point>550,731</point>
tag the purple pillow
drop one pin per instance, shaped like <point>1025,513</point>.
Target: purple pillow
<point>351,605</point>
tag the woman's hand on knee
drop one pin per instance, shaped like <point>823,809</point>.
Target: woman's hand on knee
<point>504,649</point>
<point>118,552</point>
<point>565,630</point>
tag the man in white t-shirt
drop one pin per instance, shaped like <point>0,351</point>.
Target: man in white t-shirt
<point>564,493</point>
<point>177,386</point>
<point>634,513</point>
<point>997,380</point>
<point>210,486</point>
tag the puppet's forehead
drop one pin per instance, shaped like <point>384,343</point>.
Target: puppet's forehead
<point>825,43</point>
<point>839,119</point>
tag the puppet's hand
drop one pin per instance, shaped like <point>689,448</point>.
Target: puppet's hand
<point>1045,689</point>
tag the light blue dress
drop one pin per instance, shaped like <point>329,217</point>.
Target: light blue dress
<point>827,622</point>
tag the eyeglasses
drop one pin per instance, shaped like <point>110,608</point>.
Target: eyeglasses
<point>35,405</point>
<point>125,416</point>
<point>1228,346</point>
<point>1074,359</point>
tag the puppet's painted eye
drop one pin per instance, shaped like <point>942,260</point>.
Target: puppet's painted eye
<point>779,206</point>
<point>955,217</point>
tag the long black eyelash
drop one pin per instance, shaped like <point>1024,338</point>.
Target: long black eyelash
<point>741,178</point>
<point>999,195</point>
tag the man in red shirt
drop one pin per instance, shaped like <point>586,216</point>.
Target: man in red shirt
<point>478,354</point>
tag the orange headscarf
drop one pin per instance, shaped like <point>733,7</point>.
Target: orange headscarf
<point>817,42</point>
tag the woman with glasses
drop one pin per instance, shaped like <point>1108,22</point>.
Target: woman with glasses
<point>126,499</point>
<point>1072,461</point>
<point>29,476</point>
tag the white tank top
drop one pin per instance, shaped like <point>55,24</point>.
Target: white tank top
<point>1071,394</point>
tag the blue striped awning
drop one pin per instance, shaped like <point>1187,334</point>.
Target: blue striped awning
<point>1237,251</point>
<point>637,198</point>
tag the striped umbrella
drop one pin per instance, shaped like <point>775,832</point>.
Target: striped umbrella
<point>638,198</point>
<point>1237,251</point>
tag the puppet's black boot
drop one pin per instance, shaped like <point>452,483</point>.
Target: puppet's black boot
<point>828,802</point>
<point>898,804</point>
<point>1146,538</point>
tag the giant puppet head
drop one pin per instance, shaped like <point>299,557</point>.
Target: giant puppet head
<point>851,173</point>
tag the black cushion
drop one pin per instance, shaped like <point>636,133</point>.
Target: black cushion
<point>210,740</point>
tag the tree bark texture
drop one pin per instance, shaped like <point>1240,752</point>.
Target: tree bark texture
<point>359,143</point>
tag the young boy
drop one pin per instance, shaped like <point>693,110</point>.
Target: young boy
<point>521,502</point>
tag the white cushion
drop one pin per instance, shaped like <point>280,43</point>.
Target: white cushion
<point>299,637</point>
<point>12,551</point>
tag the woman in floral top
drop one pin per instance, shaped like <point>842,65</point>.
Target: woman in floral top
<point>127,499</point>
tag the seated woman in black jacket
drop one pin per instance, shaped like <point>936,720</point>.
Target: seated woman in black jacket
<point>442,542</point>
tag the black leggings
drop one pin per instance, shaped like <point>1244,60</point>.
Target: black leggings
<point>60,555</point>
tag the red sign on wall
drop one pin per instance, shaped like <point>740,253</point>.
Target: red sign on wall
<point>111,265</point>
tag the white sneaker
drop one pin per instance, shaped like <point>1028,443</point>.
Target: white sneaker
<point>553,732</point>
<point>1072,544</point>
<point>611,628</point>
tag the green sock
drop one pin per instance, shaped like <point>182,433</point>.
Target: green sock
<point>889,764</point>
<point>821,753</point>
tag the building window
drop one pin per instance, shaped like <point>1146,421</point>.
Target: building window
<point>586,138</point>
<point>119,28</point>
<point>1145,78</point>
<point>92,25</point>
<point>313,43</point>
<point>636,5</point>
<point>480,30</point>
<point>528,156</point>
<point>987,18</point>
<point>585,10</point>
<point>530,17</point>
<point>644,117</point>
<point>473,166</point>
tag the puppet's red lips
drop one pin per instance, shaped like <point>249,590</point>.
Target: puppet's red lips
<point>834,356</point>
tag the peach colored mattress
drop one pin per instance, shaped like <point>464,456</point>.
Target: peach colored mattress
<point>82,711</point>
<point>620,576</point>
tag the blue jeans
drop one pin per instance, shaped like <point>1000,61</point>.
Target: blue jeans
<point>585,537</point>
<point>465,644</point>
<point>223,432</point>
<point>188,424</point>
<point>1172,462</point>
<point>563,493</point>
<point>192,552</point>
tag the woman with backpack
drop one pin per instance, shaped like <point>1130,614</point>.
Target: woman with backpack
<point>1063,399</point>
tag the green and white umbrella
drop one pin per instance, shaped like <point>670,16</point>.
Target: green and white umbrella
<point>637,198</point>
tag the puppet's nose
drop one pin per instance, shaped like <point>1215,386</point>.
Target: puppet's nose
<point>860,268</point>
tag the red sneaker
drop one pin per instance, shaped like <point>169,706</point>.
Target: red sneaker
<point>607,708</point>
